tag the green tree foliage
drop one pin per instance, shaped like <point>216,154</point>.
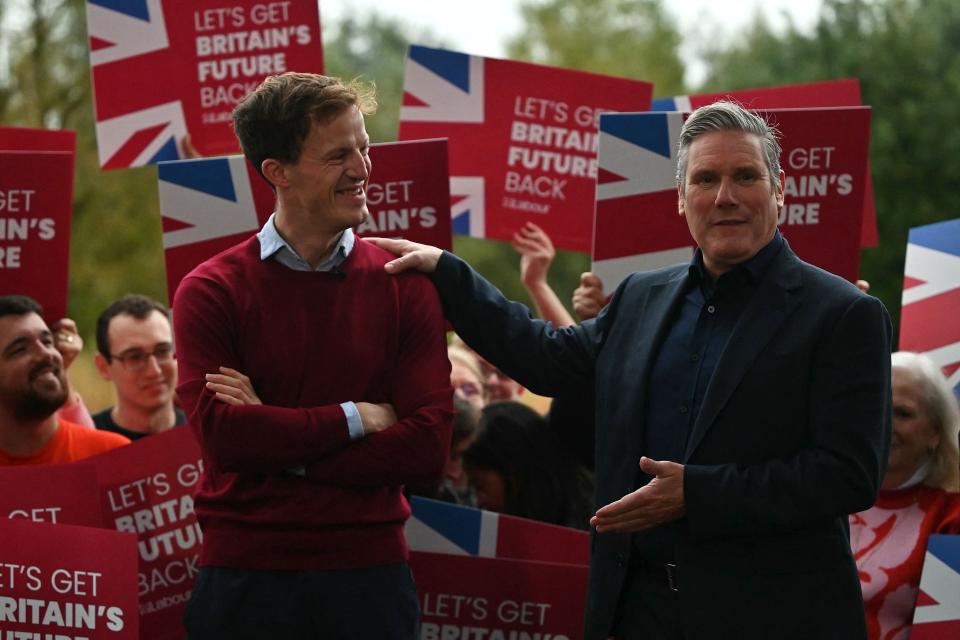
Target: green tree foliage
<point>905,54</point>
<point>374,49</point>
<point>629,38</point>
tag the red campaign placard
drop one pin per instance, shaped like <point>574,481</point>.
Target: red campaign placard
<point>210,205</point>
<point>824,157</point>
<point>495,599</point>
<point>36,193</point>
<point>63,582</point>
<point>57,493</point>
<point>165,68</point>
<point>25,139</point>
<point>830,93</point>
<point>523,139</point>
<point>147,488</point>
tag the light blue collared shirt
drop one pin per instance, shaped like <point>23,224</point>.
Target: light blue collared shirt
<point>273,245</point>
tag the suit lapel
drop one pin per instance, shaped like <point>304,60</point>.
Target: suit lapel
<point>774,300</point>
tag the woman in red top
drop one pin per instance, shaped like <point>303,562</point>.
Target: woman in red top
<point>918,496</point>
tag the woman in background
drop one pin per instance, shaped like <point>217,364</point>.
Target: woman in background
<point>516,467</point>
<point>918,496</point>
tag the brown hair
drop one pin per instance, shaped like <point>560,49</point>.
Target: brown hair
<point>273,121</point>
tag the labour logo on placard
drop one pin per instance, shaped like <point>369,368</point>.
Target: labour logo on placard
<point>938,606</point>
<point>930,319</point>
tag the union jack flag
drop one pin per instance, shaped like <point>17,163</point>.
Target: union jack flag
<point>937,615</point>
<point>447,86</point>
<point>636,183</point>
<point>441,527</point>
<point>139,119</point>
<point>930,319</point>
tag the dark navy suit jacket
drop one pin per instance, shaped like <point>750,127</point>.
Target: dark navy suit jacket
<point>792,436</point>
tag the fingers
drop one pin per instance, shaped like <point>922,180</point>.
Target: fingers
<point>232,387</point>
<point>393,245</point>
<point>659,468</point>
<point>590,279</point>
<point>391,415</point>
<point>532,239</point>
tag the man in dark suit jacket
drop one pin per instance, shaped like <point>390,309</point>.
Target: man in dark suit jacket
<point>753,389</point>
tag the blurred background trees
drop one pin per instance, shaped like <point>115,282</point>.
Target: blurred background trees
<point>903,51</point>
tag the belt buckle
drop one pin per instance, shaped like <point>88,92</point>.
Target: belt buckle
<point>673,580</point>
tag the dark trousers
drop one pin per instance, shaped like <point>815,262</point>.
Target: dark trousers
<point>648,608</point>
<point>371,603</point>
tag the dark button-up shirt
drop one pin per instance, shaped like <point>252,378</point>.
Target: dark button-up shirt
<point>685,362</point>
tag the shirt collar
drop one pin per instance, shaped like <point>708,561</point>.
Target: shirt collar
<point>273,245</point>
<point>754,268</point>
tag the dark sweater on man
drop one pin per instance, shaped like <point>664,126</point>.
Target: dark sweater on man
<point>284,486</point>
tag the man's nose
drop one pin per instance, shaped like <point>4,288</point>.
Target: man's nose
<point>153,365</point>
<point>726,192</point>
<point>357,166</point>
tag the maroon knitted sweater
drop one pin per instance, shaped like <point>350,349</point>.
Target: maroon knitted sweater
<point>309,341</point>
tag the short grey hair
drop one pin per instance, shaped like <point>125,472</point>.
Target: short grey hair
<point>941,406</point>
<point>728,116</point>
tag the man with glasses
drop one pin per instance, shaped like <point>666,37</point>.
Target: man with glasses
<point>32,387</point>
<point>135,352</point>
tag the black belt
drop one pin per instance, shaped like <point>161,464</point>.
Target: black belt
<point>662,574</point>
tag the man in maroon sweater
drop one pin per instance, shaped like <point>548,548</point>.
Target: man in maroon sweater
<point>348,395</point>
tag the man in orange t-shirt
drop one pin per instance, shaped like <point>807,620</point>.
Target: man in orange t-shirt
<point>32,388</point>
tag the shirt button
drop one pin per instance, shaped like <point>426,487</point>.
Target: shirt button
<point>711,309</point>
<point>694,357</point>
<point>683,408</point>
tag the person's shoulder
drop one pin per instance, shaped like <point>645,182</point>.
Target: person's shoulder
<point>370,258</point>
<point>656,276</point>
<point>228,261</point>
<point>827,286</point>
<point>103,420</point>
<point>90,442</point>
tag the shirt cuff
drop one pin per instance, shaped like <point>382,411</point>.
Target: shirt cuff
<point>354,422</point>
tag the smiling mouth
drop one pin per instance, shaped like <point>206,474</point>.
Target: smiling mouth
<point>355,191</point>
<point>44,370</point>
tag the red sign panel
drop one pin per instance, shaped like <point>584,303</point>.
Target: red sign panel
<point>147,489</point>
<point>830,93</point>
<point>523,139</point>
<point>57,493</point>
<point>824,157</point>
<point>212,204</point>
<point>472,597</point>
<point>63,582</point>
<point>36,193</point>
<point>166,68</point>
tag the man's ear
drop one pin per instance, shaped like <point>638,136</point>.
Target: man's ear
<point>680,206</point>
<point>103,367</point>
<point>274,172</point>
<point>781,183</point>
